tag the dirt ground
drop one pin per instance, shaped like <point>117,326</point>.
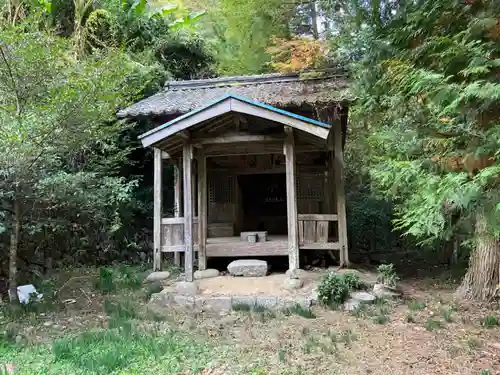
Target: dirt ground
<point>336,342</point>
<point>271,285</point>
<point>427,332</point>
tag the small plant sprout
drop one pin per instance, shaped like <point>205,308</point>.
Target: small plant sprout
<point>490,321</point>
<point>387,275</point>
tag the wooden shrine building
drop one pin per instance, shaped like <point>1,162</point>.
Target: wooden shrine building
<point>258,163</point>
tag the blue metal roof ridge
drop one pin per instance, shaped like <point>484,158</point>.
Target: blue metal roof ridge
<point>240,98</point>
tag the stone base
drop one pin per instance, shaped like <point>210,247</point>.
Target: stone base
<point>186,288</point>
<point>157,276</point>
<point>248,268</point>
<point>226,303</point>
<point>205,274</point>
<point>293,284</point>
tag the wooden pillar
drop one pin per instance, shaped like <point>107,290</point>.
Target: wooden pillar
<point>339,189</point>
<point>177,201</point>
<point>187,162</point>
<point>157,211</point>
<point>291,200</point>
<point>202,210</point>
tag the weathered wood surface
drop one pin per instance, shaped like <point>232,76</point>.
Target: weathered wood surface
<point>234,247</point>
<point>188,211</point>
<point>157,208</point>
<point>173,235</point>
<point>202,209</point>
<point>314,232</point>
<point>339,188</point>
<point>291,200</point>
<point>177,200</point>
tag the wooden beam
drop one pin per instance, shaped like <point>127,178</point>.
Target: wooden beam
<point>291,200</point>
<point>157,204</point>
<point>318,217</point>
<point>184,122</point>
<point>176,220</point>
<point>320,246</point>
<point>254,148</point>
<point>188,210</point>
<point>237,138</point>
<point>178,201</point>
<point>340,192</point>
<point>202,210</point>
<point>287,120</point>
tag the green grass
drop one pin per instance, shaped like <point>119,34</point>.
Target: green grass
<point>245,307</point>
<point>433,324</point>
<point>410,318</point>
<point>110,351</point>
<point>415,305</point>
<point>300,311</point>
<point>490,321</point>
<point>380,319</point>
<point>447,316</point>
<point>121,309</point>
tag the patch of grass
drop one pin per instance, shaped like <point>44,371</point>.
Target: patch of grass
<point>112,350</point>
<point>152,289</point>
<point>245,307</point>
<point>106,280</point>
<point>381,319</point>
<point>359,311</point>
<point>259,309</point>
<point>410,318</point>
<point>347,337</point>
<point>433,324</point>
<point>415,305</point>
<point>474,344</point>
<point>301,311</point>
<point>447,316</point>
<point>128,277</point>
<point>490,321</point>
<point>485,372</point>
<point>121,309</point>
<point>282,355</point>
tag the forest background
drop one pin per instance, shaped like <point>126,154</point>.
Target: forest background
<point>422,151</point>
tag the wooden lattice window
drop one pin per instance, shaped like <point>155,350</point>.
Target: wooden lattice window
<point>310,186</point>
<point>220,188</point>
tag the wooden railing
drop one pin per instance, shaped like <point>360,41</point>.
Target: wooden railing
<point>314,231</point>
<point>172,234</point>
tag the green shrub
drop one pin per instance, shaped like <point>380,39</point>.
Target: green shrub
<point>416,305</point>
<point>105,283</point>
<point>387,275</point>
<point>352,280</point>
<point>333,289</point>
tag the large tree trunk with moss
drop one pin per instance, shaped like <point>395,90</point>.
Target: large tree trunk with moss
<point>483,276</point>
<point>14,244</point>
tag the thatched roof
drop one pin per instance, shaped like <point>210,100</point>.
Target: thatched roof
<point>279,90</point>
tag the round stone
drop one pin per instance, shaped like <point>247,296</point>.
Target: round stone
<point>206,274</point>
<point>157,276</point>
<point>293,284</point>
<point>363,297</point>
<point>186,288</point>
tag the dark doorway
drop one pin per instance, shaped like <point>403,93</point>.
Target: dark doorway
<point>263,198</point>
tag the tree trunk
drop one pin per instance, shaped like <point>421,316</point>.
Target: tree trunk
<point>482,278</point>
<point>314,20</point>
<point>14,244</point>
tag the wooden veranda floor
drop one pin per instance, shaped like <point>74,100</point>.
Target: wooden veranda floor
<point>235,247</point>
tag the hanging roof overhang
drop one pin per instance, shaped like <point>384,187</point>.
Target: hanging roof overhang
<point>224,109</point>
